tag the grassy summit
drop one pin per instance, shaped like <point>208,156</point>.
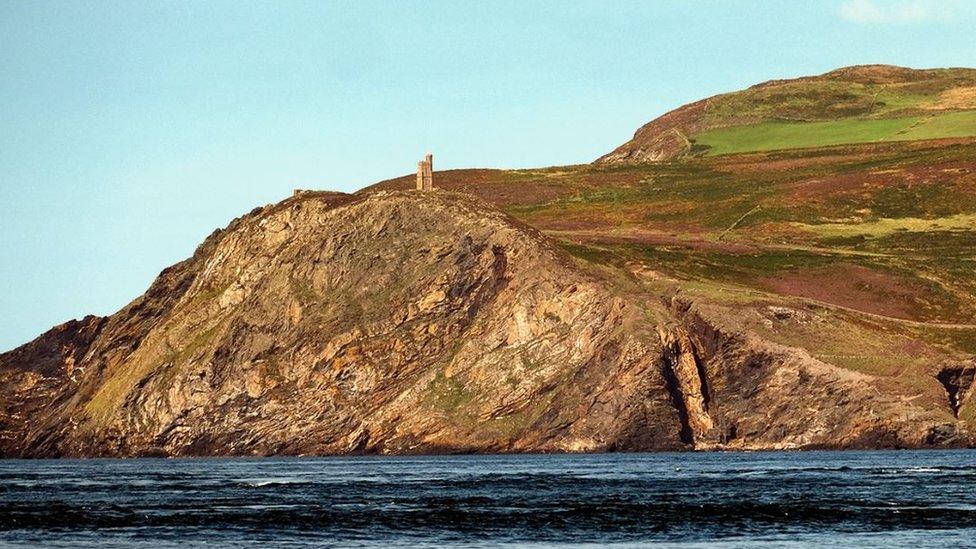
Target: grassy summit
<point>875,103</point>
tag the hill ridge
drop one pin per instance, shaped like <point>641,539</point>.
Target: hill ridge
<point>852,104</point>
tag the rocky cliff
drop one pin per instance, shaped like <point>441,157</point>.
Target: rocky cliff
<point>409,322</point>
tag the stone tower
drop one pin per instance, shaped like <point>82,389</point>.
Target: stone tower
<point>425,173</point>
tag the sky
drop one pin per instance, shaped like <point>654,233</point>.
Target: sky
<point>129,131</point>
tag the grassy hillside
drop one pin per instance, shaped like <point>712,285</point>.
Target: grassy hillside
<point>775,135</point>
<point>874,103</point>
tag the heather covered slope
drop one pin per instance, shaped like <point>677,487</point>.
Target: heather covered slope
<point>904,212</point>
<point>870,103</point>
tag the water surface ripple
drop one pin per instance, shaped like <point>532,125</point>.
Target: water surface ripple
<point>827,499</point>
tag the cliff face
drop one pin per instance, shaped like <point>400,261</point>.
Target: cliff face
<point>406,322</point>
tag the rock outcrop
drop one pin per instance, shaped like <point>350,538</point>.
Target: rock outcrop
<point>664,138</point>
<point>404,322</point>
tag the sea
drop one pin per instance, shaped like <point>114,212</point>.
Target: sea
<point>915,499</point>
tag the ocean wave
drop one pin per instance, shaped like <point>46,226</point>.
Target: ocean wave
<point>261,483</point>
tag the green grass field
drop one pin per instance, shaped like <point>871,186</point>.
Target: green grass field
<point>953,124</point>
<point>776,135</point>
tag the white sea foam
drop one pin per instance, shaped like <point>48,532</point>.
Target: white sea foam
<point>258,483</point>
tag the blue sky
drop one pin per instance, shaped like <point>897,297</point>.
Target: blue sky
<point>131,130</point>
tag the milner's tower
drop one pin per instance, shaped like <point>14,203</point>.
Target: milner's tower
<point>425,173</point>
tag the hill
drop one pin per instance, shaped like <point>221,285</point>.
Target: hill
<point>870,103</point>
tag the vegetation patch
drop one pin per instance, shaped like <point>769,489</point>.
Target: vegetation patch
<point>447,394</point>
<point>777,134</point>
<point>887,226</point>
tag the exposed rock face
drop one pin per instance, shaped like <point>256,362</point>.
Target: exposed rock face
<point>664,138</point>
<point>402,322</point>
<point>759,395</point>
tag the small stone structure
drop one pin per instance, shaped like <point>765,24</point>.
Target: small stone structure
<point>425,173</point>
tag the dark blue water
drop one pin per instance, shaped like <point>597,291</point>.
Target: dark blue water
<point>825,499</point>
